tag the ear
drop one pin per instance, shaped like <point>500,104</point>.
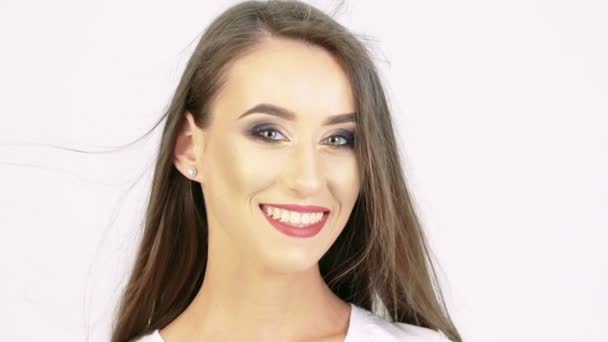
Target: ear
<point>190,138</point>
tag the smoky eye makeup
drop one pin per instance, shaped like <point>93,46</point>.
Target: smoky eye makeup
<point>271,133</point>
<point>266,131</point>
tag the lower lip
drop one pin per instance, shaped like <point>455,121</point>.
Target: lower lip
<point>300,232</point>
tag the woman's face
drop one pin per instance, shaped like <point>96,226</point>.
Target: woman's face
<point>259,158</point>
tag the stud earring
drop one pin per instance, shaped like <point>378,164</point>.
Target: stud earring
<point>192,172</point>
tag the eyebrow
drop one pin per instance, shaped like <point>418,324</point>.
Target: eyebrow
<point>289,115</point>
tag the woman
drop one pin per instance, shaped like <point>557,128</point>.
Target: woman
<point>279,210</point>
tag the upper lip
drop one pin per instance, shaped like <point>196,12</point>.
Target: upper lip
<point>299,208</point>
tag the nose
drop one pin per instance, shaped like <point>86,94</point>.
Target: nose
<point>303,173</point>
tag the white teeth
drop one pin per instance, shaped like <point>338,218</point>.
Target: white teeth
<point>284,216</point>
<point>295,218</point>
<point>291,217</point>
<point>276,213</point>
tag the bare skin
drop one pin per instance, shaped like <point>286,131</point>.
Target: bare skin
<point>262,285</point>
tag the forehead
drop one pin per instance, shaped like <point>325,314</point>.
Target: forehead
<point>303,78</point>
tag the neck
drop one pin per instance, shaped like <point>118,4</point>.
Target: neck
<point>241,301</point>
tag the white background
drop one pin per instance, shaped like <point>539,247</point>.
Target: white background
<point>502,113</point>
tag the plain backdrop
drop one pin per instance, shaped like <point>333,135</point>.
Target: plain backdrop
<point>501,110</point>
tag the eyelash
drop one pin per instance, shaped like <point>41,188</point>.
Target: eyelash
<point>255,133</point>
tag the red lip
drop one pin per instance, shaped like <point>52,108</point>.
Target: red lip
<point>298,232</point>
<point>299,208</point>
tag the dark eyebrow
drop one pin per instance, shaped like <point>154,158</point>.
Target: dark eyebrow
<point>288,115</point>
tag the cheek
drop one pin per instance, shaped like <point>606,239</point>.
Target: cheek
<point>243,168</point>
<point>343,178</point>
<point>259,167</point>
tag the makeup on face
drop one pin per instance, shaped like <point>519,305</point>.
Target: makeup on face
<point>271,133</point>
<point>291,219</point>
<point>283,135</point>
<point>263,129</point>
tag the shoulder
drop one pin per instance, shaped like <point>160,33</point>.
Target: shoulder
<point>370,327</point>
<point>151,337</point>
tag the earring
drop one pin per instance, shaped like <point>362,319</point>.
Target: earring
<point>192,172</point>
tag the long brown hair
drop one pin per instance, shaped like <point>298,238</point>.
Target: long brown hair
<point>381,259</point>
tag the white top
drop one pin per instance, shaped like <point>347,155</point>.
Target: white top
<point>365,326</point>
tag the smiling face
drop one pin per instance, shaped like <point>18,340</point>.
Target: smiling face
<point>279,134</point>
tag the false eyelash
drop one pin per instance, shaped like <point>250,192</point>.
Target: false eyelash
<point>255,133</point>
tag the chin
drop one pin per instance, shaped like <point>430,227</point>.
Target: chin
<point>294,262</point>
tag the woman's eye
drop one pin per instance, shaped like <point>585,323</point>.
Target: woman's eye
<point>266,133</point>
<point>346,136</point>
<point>341,141</point>
<point>270,134</point>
